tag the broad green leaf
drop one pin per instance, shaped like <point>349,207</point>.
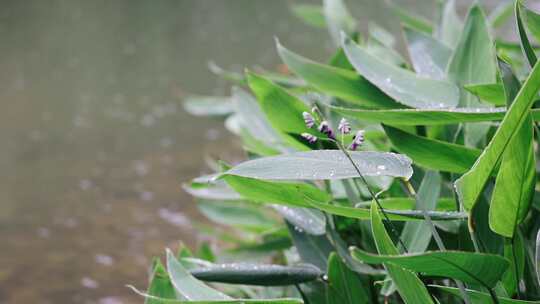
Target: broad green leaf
<point>347,288</point>
<point>258,274</point>
<point>469,267</point>
<point>429,56</point>
<point>236,214</point>
<point>288,194</point>
<point>501,14</point>
<point>341,83</point>
<point>338,19</point>
<point>478,297</point>
<point>426,117</point>
<point>403,85</point>
<point>417,235</point>
<point>310,220</point>
<point>523,13</point>
<point>324,165</point>
<point>488,92</point>
<point>514,187</point>
<point>187,287</point>
<point>451,25</point>
<point>208,105</point>
<point>413,21</point>
<point>409,286</point>
<point>407,203</point>
<point>160,284</point>
<point>394,215</point>
<point>313,249</point>
<point>433,154</point>
<point>283,110</point>
<point>384,53</point>
<point>510,81</point>
<point>473,62</point>
<point>310,14</point>
<point>470,185</point>
<point>514,251</point>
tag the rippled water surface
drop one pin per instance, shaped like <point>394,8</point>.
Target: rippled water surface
<point>95,143</point>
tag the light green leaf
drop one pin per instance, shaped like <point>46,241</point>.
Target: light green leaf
<point>514,187</point>
<point>532,19</point>
<point>347,288</point>
<point>470,185</point>
<point>310,14</point>
<point>429,56</point>
<point>403,85</point>
<point>236,214</point>
<point>523,13</point>
<point>469,267</point>
<point>338,19</point>
<point>208,105</point>
<point>324,165</point>
<point>409,286</point>
<point>258,274</point>
<point>432,154</point>
<point>187,287</point>
<point>481,297</point>
<point>473,62</point>
<point>500,15</point>
<point>341,83</point>
<point>310,220</point>
<point>410,20</point>
<point>381,35</point>
<point>160,284</point>
<point>407,203</point>
<point>451,25</point>
<point>489,92</point>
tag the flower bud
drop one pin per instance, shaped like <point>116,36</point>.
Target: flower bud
<point>358,140</point>
<point>325,128</point>
<point>308,119</point>
<point>309,137</point>
<point>344,126</point>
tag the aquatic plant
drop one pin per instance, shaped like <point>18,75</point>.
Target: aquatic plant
<point>373,178</point>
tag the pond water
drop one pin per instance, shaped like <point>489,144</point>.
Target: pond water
<point>95,143</point>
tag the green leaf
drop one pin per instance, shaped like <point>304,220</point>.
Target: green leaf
<point>469,267</point>
<point>514,187</point>
<point>532,19</point>
<point>429,56</point>
<point>394,215</point>
<point>473,62</point>
<point>403,85</point>
<point>432,154</point>
<point>528,51</point>
<point>341,83</point>
<point>409,286</point>
<point>288,194</point>
<point>310,14</point>
<point>416,22</point>
<point>313,249</point>
<point>208,105</point>
<point>514,251</point>
<point>500,15</point>
<point>489,92</point>
<point>481,297</point>
<point>160,284</point>
<point>425,117</point>
<point>310,220</point>
<point>338,19</point>
<point>346,286</point>
<point>324,165</point>
<point>258,274</point>
<point>470,185</point>
<point>451,25</point>
<point>236,214</point>
<point>187,287</point>
<point>406,203</point>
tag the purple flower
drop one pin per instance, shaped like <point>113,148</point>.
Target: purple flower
<point>344,126</point>
<point>325,128</point>
<point>308,119</point>
<point>358,140</point>
<point>309,137</point>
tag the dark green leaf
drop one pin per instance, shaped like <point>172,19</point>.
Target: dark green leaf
<point>481,297</point>
<point>313,249</point>
<point>346,286</point>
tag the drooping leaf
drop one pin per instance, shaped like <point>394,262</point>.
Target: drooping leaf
<point>208,105</point>
<point>525,44</point>
<point>451,25</point>
<point>258,274</point>
<point>514,187</point>
<point>429,56</point>
<point>338,82</point>
<point>473,62</point>
<point>338,19</point>
<point>432,154</point>
<point>469,267</point>
<point>310,14</point>
<point>481,297</point>
<point>403,85</point>
<point>310,220</point>
<point>187,287</point>
<point>410,287</point>
<point>470,185</point>
<point>489,92</point>
<point>324,165</point>
<point>346,286</point>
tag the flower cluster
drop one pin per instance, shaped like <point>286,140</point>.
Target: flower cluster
<point>324,127</point>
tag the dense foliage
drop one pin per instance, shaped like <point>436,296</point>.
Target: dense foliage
<point>375,178</point>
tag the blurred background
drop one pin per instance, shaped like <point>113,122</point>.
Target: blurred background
<point>94,140</point>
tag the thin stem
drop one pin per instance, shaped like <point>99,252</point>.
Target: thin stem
<point>435,235</point>
<point>302,294</point>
